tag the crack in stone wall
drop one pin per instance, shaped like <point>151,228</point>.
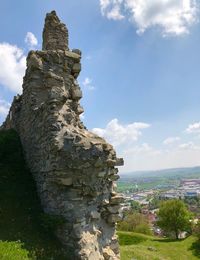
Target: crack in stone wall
<point>74,169</point>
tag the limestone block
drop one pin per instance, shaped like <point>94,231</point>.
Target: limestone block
<point>113,218</point>
<point>102,174</point>
<point>119,162</point>
<point>109,254</point>
<point>76,93</point>
<point>76,68</point>
<point>115,246</point>
<point>80,110</point>
<point>95,215</point>
<point>34,61</point>
<point>114,209</point>
<point>116,199</point>
<point>105,202</point>
<point>65,181</point>
<point>112,171</point>
<point>77,51</point>
<point>111,162</point>
<point>99,163</point>
<point>114,177</point>
<point>73,55</point>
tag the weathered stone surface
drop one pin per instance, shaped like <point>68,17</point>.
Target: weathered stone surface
<point>74,169</point>
<point>65,181</point>
<point>113,218</point>
<point>109,254</point>
<point>117,199</point>
<point>55,33</point>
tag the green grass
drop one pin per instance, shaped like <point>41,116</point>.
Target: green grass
<point>124,186</point>
<point>21,234</point>
<point>13,250</point>
<point>135,246</point>
<point>153,183</point>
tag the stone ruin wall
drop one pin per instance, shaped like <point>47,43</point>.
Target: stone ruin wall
<point>74,169</point>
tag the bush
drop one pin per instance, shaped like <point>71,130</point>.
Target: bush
<point>143,229</point>
<point>196,230</point>
<point>135,206</point>
<point>12,251</point>
<point>135,222</point>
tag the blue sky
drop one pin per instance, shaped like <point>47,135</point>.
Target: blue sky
<point>140,71</point>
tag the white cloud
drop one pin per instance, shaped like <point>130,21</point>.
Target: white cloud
<point>4,107</point>
<point>142,149</point>
<point>118,134</point>
<point>145,157</point>
<point>174,17</point>
<point>115,14</point>
<point>193,128</point>
<point>82,116</point>
<point>139,155</point>
<point>189,146</point>
<point>31,40</point>
<point>12,64</point>
<point>104,4</point>
<point>171,140</point>
<point>87,83</point>
<point>111,9</point>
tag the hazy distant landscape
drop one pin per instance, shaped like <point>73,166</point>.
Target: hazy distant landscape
<point>161,179</point>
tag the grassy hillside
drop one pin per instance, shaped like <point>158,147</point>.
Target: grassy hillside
<point>21,234</point>
<point>187,172</point>
<point>143,247</point>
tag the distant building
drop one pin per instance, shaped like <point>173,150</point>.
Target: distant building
<point>172,194</point>
<point>189,182</point>
<point>191,194</point>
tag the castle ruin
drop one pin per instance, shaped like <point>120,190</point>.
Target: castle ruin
<point>74,169</point>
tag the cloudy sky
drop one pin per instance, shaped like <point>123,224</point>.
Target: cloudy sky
<point>140,76</point>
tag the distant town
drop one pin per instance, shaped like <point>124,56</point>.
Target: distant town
<point>144,191</point>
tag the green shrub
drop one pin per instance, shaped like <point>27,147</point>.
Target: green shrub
<point>134,222</point>
<point>143,228</point>
<point>196,230</point>
<point>13,251</point>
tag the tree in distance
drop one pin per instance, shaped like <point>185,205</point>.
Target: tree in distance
<point>174,217</point>
<point>134,222</point>
<point>135,206</point>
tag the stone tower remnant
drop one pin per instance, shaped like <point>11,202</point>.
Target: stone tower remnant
<point>74,169</point>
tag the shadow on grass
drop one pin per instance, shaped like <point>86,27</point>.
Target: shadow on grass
<point>126,239</point>
<point>20,208</point>
<point>195,248</point>
<point>166,240</point>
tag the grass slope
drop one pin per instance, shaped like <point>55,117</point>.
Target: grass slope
<point>135,246</point>
<point>21,233</point>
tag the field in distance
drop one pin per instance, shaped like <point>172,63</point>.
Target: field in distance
<point>161,179</point>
